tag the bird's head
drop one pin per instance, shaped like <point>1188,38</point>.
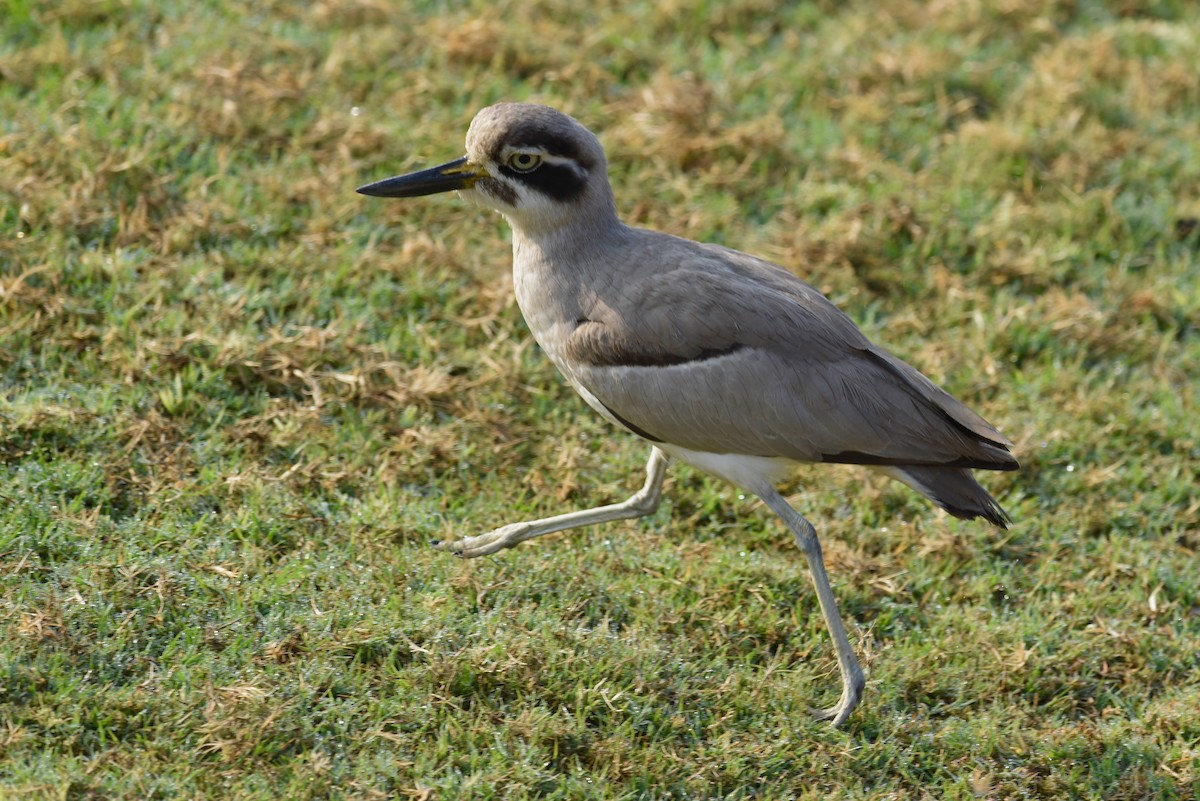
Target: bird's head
<point>535,165</point>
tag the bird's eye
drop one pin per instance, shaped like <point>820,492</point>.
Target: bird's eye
<point>524,162</point>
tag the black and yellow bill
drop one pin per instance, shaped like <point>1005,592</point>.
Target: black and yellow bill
<point>447,177</point>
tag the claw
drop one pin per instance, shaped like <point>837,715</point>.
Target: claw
<point>449,547</point>
<point>851,696</point>
<point>837,714</point>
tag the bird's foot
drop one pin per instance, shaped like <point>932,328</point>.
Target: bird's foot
<point>851,696</point>
<point>484,544</point>
<point>837,714</point>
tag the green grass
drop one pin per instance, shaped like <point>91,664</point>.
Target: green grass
<point>238,400</point>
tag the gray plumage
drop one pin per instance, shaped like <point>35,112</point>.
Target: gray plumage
<point>716,357</point>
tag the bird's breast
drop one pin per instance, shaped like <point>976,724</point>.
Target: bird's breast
<point>549,308</point>
<point>552,308</point>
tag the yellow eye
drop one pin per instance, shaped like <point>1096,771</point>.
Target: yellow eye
<point>524,162</point>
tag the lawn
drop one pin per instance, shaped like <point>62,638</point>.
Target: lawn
<point>238,401</point>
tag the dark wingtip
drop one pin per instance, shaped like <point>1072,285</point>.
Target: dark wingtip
<point>956,491</point>
<point>992,512</point>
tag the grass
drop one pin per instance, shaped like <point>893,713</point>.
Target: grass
<point>238,400</point>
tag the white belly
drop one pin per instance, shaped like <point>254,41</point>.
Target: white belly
<point>751,473</point>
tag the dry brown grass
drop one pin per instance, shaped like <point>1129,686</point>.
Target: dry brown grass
<point>236,402</point>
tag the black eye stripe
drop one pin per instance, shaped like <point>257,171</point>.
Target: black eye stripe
<point>553,146</point>
<point>559,181</point>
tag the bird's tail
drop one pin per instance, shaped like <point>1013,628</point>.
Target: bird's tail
<point>954,489</point>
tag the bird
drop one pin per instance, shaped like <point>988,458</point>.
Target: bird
<point>716,358</point>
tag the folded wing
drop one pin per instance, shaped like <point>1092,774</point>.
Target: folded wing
<point>730,354</point>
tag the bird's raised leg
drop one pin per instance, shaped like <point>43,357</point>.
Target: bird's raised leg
<point>806,537</point>
<point>640,504</point>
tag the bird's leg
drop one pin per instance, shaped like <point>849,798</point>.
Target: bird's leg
<point>640,504</point>
<point>806,538</point>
